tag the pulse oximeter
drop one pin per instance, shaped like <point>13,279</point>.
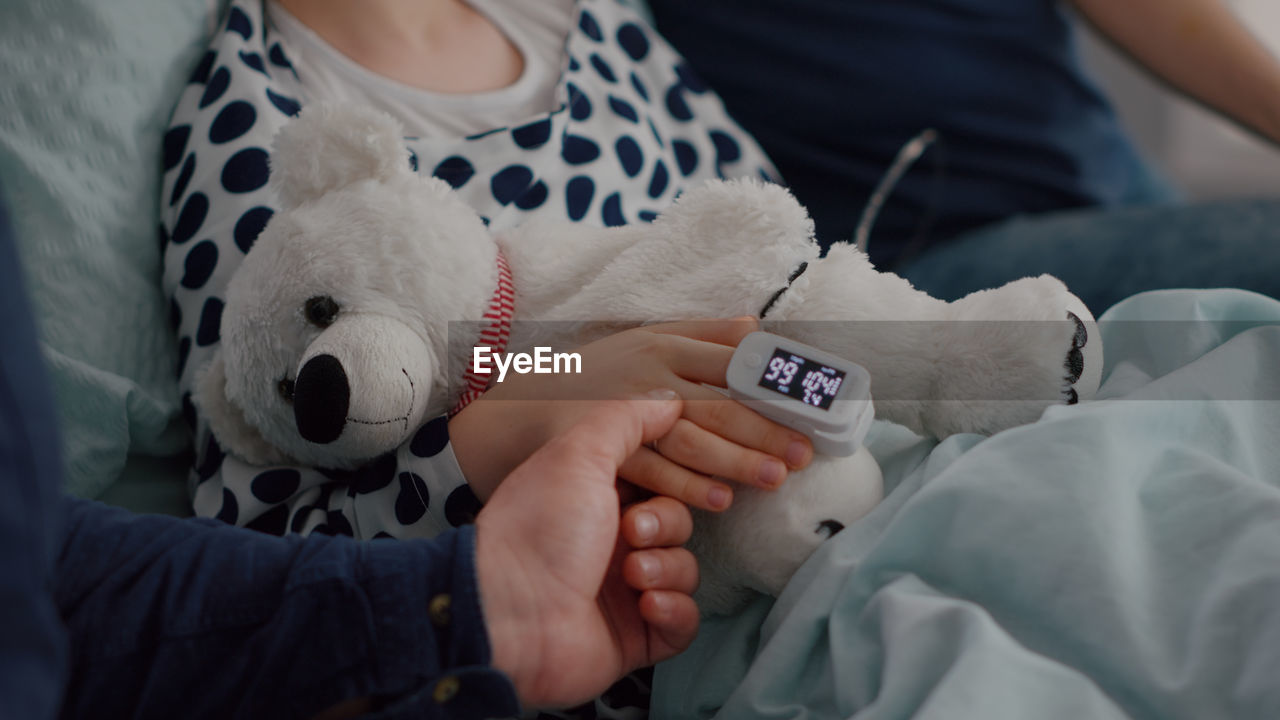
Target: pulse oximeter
<point>813,392</point>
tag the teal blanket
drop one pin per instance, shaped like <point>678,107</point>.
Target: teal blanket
<point>1119,558</point>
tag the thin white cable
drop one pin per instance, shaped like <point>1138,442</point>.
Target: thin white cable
<point>909,153</point>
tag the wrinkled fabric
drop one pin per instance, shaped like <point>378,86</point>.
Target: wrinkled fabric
<point>1118,558</point>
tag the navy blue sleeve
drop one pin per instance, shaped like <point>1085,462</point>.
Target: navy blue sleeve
<point>200,619</point>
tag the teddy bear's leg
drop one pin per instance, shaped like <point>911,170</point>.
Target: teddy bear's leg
<point>990,361</point>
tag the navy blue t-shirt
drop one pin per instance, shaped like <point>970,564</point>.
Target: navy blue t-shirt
<point>833,89</point>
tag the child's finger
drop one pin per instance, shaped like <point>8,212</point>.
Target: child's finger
<point>707,453</point>
<point>650,470</point>
<point>670,568</point>
<point>657,522</point>
<point>740,424</point>
<point>673,622</point>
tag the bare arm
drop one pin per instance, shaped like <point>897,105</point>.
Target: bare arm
<point>1201,48</point>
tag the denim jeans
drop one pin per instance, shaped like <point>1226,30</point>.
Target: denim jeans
<point>1107,255</point>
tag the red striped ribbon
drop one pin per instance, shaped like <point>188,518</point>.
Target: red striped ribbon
<point>495,335</point>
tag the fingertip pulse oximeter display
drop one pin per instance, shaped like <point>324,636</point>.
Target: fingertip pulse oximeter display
<point>802,378</point>
<point>817,393</point>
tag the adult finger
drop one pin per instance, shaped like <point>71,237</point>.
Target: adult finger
<point>652,471</point>
<point>673,622</point>
<point>705,452</point>
<point>721,332</point>
<point>657,522</point>
<point>743,426</point>
<point>606,436</point>
<point>670,568</point>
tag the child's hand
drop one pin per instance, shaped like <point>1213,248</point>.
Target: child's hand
<point>715,436</point>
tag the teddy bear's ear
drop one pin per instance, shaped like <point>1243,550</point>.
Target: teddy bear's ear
<point>331,145</point>
<point>234,434</point>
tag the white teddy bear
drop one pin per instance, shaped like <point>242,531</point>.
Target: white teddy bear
<point>340,334</point>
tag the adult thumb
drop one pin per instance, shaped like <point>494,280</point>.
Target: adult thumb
<point>607,435</point>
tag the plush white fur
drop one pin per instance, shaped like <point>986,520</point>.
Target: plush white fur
<point>401,257</point>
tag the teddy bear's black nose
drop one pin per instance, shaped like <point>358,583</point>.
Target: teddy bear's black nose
<point>321,398</point>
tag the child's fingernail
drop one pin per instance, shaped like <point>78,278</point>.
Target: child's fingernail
<point>719,497</point>
<point>662,604</point>
<point>649,568</point>
<point>772,473</point>
<point>797,453</point>
<point>661,394</point>
<point>646,525</point>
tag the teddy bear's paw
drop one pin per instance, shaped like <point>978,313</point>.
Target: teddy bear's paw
<point>1010,353</point>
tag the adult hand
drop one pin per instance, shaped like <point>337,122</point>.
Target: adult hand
<point>715,438</point>
<point>570,602</point>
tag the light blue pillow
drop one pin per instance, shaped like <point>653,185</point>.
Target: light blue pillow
<point>85,96</point>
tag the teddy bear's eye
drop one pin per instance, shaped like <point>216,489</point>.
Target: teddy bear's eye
<point>321,311</point>
<point>830,527</point>
<point>285,388</point>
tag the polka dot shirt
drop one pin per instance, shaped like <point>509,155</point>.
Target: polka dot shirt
<point>630,128</point>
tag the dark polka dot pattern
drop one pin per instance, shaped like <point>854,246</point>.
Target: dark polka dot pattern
<point>234,120</point>
<point>200,263</point>
<point>641,89</point>
<point>284,103</point>
<point>623,109</point>
<point>254,61</point>
<point>431,438</point>
<point>246,171</point>
<point>676,105</point>
<point>413,500</point>
<point>658,181</point>
<point>250,225</point>
<point>727,149</point>
<point>532,135</point>
<point>629,155</point>
<point>603,156</point>
<point>603,68</point>
<point>579,104</point>
<point>633,40</point>
<point>462,506</point>
<point>278,58</point>
<point>204,68</point>
<point>194,211</point>
<point>230,511</point>
<point>578,194</point>
<point>686,156</point>
<point>611,211</point>
<point>690,79</point>
<point>510,182</point>
<point>455,170</point>
<point>374,476</point>
<point>184,352</point>
<point>535,196</point>
<point>276,486</point>
<point>272,522</point>
<point>184,178</point>
<point>587,23</point>
<point>238,22</point>
<point>579,150</point>
<point>215,87</point>
<point>210,322</point>
<point>175,144</point>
